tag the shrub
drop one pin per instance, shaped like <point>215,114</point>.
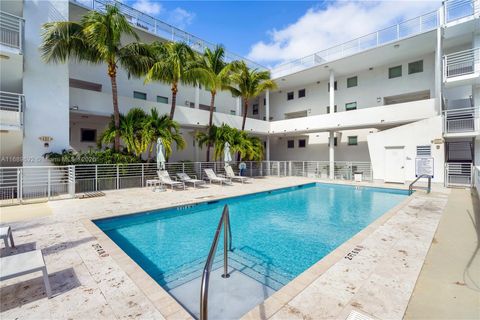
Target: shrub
<point>107,156</point>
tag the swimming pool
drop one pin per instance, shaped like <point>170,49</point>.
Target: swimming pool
<point>276,234</point>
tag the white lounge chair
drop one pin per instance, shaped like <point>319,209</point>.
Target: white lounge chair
<point>185,178</point>
<point>5,234</point>
<point>212,177</point>
<point>24,263</point>
<point>164,178</point>
<point>230,174</point>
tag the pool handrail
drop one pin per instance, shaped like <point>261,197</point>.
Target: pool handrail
<point>429,186</point>
<point>227,246</point>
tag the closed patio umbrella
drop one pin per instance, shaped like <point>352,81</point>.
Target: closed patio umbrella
<point>227,157</point>
<point>160,155</point>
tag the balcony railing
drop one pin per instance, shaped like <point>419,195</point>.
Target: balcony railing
<point>11,108</point>
<point>11,30</point>
<point>460,120</point>
<point>458,174</point>
<point>458,9</point>
<point>161,29</point>
<point>461,63</point>
<point>396,32</point>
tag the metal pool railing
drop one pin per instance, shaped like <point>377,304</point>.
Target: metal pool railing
<point>43,183</point>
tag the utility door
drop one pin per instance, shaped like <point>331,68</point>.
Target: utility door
<point>395,164</point>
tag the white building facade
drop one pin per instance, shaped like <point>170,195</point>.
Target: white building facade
<point>404,100</point>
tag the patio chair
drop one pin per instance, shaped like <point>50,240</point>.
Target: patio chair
<point>5,234</point>
<point>230,174</point>
<point>212,177</point>
<point>185,178</point>
<point>164,178</point>
<point>24,263</point>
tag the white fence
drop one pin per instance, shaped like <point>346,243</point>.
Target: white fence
<point>43,183</point>
<point>458,174</point>
<point>461,63</point>
<point>11,30</point>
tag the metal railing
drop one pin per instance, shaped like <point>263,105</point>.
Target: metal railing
<point>423,23</point>
<point>460,120</point>
<point>11,30</point>
<point>11,108</point>
<point>458,174</point>
<point>429,183</point>
<point>23,184</point>
<point>227,246</point>
<point>458,9</point>
<point>161,29</point>
<point>461,63</point>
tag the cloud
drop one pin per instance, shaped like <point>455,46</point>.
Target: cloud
<point>322,27</point>
<point>149,7</point>
<point>181,18</point>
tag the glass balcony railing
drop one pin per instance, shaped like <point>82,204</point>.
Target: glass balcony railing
<point>458,9</point>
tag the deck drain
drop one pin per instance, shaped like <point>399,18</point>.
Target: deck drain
<point>352,254</point>
<point>101,252</point>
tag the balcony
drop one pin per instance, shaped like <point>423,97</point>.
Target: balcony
<point>11,33</point>
<point>460,122</point>
<point>11,111</point>
<point>460,9</point>
<point>462,67</point>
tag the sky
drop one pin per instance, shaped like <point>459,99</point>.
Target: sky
<point>272,32</point>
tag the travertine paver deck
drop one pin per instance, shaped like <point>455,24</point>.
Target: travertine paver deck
<point>91,283</point>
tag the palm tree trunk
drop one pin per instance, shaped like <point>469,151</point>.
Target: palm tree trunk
<point>245,109</point>
<point>210,122</point>
<point>112,72</point>
<point>174,100</point>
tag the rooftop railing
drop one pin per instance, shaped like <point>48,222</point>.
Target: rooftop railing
<point>11,108</point>
<point>160,28</point>
<point>393,33</point>
<point>461,63</point>
<point>11,30</point>
<point>458,9</point>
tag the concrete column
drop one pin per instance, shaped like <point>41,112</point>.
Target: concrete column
<point>332,92</point>
<point>267,149</point>
<point>331,153</point>
<point>47,102</point>
<point>267,105</point>
<point>239,106</point>
<point>439,68</point>
<point>197,96</point>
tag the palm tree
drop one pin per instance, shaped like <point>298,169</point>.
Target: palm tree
<point>213,73</point>
<point>172,61</point>
<point>208,138</point>
<point>249,83</point>
<point>166,129</point>
<point>95,39</point>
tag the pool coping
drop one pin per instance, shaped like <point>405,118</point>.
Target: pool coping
<point>172,309</point>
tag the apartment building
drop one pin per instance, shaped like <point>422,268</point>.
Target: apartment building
<point>404,99</point>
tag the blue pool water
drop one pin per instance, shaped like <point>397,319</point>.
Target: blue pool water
<point>276,235</point>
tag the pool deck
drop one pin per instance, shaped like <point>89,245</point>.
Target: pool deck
<point>374,272</point>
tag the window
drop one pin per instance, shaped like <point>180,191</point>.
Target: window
<point>350,106</point>
<point>264,101</point>
<point>334,86</point>
<point>352,140</point>
<point>394,72</point>
<point>290,144</point>
<point>255,108</point>
<point>415,67</point>
<point>301,93</point>
<point>302,143</point>
<point>88,135</point>
<point>334,141</point>
<point>139,95</point>
<point>290,95</point>
<point>352,82</point>
<point>162,99</point>
<point>424,151</point>
<point>334,109</point>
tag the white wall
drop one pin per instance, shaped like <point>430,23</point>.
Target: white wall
<point>45,86</point>
<point>317,147</point>
<point>372,84</point>
<point>409,136</point>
